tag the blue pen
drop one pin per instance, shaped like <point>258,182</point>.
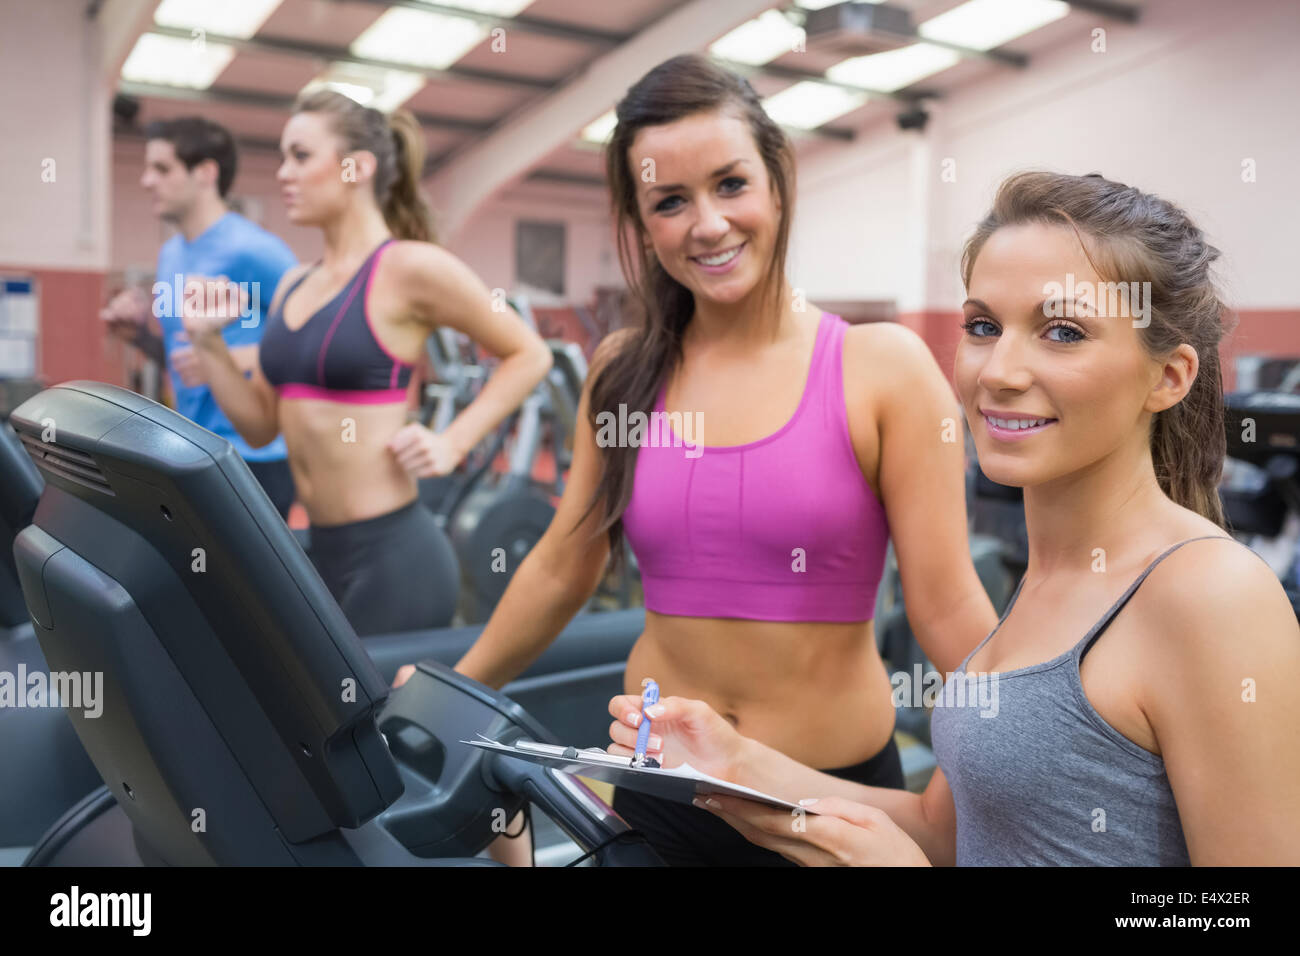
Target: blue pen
<point>649,696</point>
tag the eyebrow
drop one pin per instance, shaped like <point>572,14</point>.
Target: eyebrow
<point>720,171</point>
<point>984,306</point>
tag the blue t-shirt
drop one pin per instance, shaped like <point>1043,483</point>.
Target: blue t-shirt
<point>245,253</point>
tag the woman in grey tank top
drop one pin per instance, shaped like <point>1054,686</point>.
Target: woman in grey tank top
<point>1074,733</point>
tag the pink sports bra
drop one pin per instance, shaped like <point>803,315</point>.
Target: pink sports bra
<point>785,528</point>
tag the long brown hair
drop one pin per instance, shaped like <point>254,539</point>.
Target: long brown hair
<point>1128,236</point>
<point>680,87</point>
<point>398,148</point>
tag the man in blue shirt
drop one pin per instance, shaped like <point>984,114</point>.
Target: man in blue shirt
<point>189,166</point>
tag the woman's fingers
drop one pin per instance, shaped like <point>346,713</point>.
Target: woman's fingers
<point>627,707</point>
<point>763,827</point>
<point>620,733</point>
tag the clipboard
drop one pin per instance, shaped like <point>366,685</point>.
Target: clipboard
<point>680,784</point>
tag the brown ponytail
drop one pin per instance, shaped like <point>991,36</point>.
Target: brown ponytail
<point>398,147</point>
<point>405,210</point>
<point>1135,236</point>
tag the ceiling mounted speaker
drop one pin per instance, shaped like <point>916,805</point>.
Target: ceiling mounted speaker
<point>125,111</point>
<point>859,29</point>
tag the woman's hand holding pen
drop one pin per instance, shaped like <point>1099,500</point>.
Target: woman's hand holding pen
<point>682,731</point>
<point>837,832</point>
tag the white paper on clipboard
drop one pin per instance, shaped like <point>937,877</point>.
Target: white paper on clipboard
<point>680,784</point>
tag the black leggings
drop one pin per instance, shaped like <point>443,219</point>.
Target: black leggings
<point>688,836</point>
<point>395,572</point>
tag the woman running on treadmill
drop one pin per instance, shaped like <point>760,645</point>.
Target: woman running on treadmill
<point>342,337</point>
<point>762,547</point>
<point>1163,735</point>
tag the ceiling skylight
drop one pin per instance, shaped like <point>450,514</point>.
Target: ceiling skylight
<point>176,61</point>
<point>232,18</point>
<point>894,69</point>
<point>810,104</point>
<point>385,90</point>
<point>430,40</point>
<point>760,40</point>
<point>985,24</point>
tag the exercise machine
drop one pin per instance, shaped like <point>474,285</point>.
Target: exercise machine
<point>1261,489</point>
<point>242,720</point>
<point>45,767</point>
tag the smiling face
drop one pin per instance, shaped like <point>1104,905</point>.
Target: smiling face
<point>708,211</point>
<point>1048,393</point>
<point>312,177</point>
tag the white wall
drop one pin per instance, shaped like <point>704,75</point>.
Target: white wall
<point>487,240</point>
<point>55,107</point>
<point>1172,107</point>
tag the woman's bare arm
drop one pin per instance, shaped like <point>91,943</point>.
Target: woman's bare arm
<point>1221,672</point>
<point>559,574</point>
<point>922,484</point>
<point>248,401</point>
<point>442,291</point>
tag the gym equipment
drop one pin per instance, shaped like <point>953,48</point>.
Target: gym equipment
<point>20,490</point>
<point>494,521</point>
<point>1263,498</point>
<point>459,379</point>
<point>997,513</point>
<point>235,691</point>
<point>45,768</point>
<point>454,360</point>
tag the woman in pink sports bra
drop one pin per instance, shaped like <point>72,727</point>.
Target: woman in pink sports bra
<point>796,446</point>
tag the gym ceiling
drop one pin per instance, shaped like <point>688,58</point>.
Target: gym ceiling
<point>479,73</point>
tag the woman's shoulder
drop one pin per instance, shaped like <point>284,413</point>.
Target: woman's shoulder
<point>409,256</point>
<point>887,348</point>
<point>1211,596</point>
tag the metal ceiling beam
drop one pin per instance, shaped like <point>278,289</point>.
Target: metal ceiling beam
<point>275,101</point>
<point>568,179</point>
<point>329,54</point>
<point>1126,12</point>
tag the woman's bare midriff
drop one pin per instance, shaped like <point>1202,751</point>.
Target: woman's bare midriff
<point>817,692</point>
<point>342,468</point>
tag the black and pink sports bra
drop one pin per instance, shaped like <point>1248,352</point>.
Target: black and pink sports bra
<point>335,355</point>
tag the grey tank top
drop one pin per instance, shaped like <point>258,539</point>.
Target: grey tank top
<point>1039,778</point>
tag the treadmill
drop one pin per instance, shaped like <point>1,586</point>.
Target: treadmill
<point>241,721</point>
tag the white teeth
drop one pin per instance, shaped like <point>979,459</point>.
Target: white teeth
<point>720,259</point>
<point>1015,424</point>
